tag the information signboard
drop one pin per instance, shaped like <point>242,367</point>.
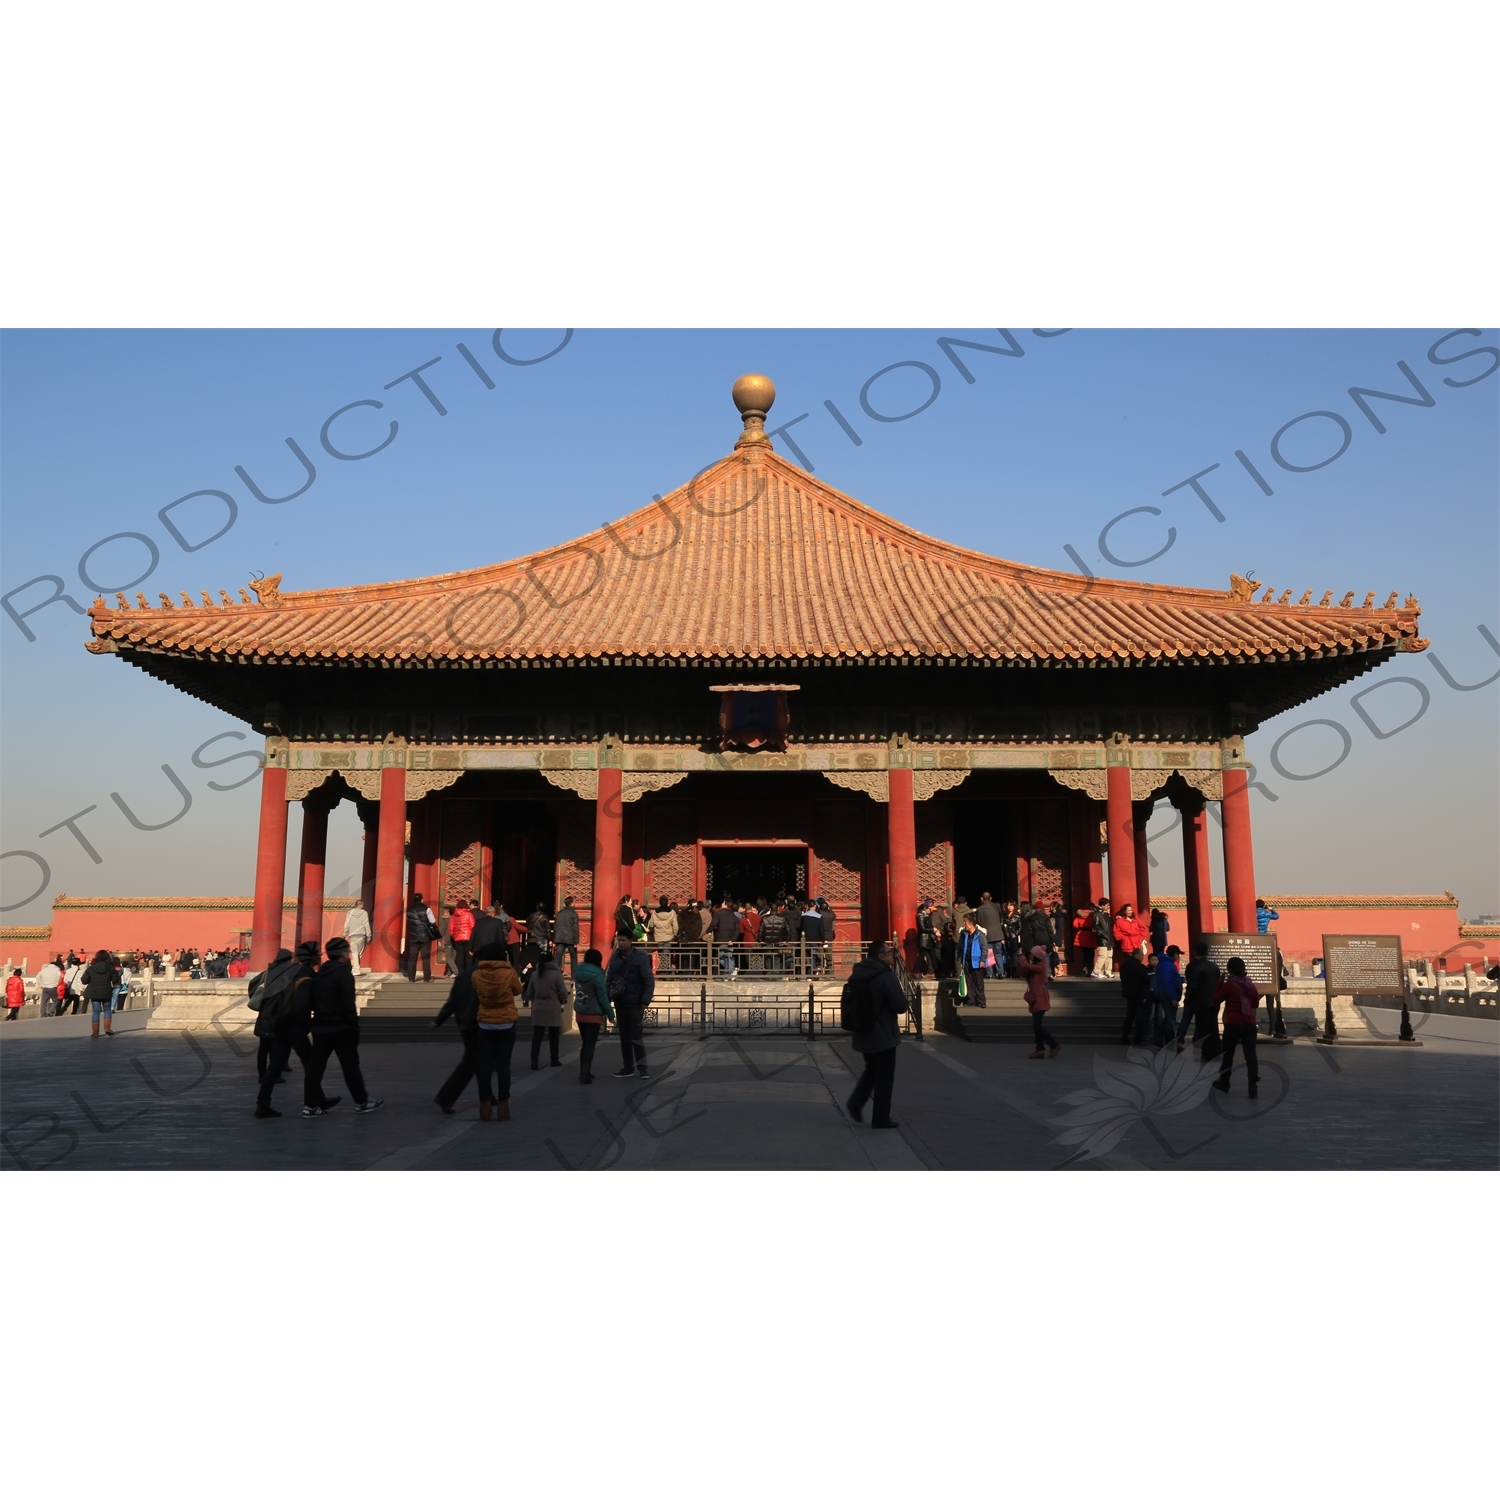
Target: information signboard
<point>1258,949</point>
<point>1362,964</point>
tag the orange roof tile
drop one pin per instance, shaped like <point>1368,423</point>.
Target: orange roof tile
<point>758,560</point>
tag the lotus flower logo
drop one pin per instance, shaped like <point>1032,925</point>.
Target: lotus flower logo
<point>1147,1083</point>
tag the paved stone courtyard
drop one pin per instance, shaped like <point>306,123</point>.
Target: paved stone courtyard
<point>184,1100</point>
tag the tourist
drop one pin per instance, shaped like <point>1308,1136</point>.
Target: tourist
<point>463,1005</point>
<point>1200,984</point>
<point>281,1024</point>
<point>1104,941</point>
<point>664,927</point>
<point>591,1008</point>
<point>881,1003</point>
<point>947,967</point>
<point>356,932</point>
<point>69,995</point>
<point>539,929</point>
<point>565,933</point>
<point>508,938</point>
<point>421,932</point>
<point>15,994</point>
<point>1010,928</point>
<point>1135,986</point>
<point>460,930</point>
<point>1130,932</point>
<point>1085,940</point>
<point>548,993</point>
<point>1264,916</point>
<point>991,923</point>
<point>1034,970</point>
<point>1159,929</point>
<point>690,936</point>
<point>97,984</point>
<point>49,976</point>
<point>631,988</point>
<point>774,932</point>
<point>1035,929</point>
<point>972,948</point>
<point>625,919</point>
<point>725,928</point>
<point>1241,1002</point>
<point>811,924</point>
<point>927,938</point>
<point>496,987</point>
<point>1166,991</point>
<point>333,1019</point>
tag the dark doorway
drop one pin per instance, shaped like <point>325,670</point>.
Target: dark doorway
<point>746,872</point>
<point>984,851</point>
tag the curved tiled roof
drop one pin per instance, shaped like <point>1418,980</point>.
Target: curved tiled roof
<point>757,560</point>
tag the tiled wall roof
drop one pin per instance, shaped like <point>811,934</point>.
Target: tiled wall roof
<point>757,560</point>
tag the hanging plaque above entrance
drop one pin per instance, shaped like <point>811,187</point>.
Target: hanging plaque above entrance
<point>753,715</point>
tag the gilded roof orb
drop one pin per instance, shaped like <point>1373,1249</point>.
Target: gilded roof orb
<point>754,393</point>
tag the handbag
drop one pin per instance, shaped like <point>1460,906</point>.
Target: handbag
<point>963,986</point>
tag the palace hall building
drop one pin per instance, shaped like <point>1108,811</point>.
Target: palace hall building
<point>755,684</point>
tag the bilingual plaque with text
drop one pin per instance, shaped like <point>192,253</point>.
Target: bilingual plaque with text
<point>1258,949</point>
<point>1362,964</point>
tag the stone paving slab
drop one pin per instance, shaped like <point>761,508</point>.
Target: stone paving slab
<point>184,1101</point>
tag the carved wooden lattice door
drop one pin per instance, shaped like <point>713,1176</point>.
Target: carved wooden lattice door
<point>461,852</point>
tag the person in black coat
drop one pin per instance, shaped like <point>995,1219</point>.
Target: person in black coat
<point>98,983</point>
<point>281,1024</point>
<point>333,1019</point>
<point>1135,985</point>
<point>631,987</point>
<point>463,1005</point>
<point>1200,983</point>
<point>879,1041</point>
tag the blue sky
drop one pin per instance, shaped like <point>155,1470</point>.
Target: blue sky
<point>100,430</point>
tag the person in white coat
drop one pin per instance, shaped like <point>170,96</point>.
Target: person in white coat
<point>356,931</point>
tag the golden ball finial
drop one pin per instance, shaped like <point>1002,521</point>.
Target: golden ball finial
<point>754,393</point>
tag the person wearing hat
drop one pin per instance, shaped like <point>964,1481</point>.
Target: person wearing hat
<point>281,1023</point>
<point>1034,970</point>
<point>333,1018</point>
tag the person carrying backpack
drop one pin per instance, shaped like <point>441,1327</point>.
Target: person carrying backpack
<point>278,998</point>
<point>872,1000</point>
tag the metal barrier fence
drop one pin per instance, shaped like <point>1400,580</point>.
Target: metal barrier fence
<point>792,961</point>
<point>721,1012</point>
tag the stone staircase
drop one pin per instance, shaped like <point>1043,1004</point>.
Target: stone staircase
<point>1083,1011</point>
<point>396,1010</point>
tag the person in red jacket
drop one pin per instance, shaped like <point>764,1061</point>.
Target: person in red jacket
<point>1034,970</point>
<point>1241,1002</point>
<point>15,994</point>
<point>460,931</point>
<point>1130,932</point>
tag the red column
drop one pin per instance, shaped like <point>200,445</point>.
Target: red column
<point>608,849</point>
<point>270,868</point>
<point>1023,855</point>
<point>1239,859</point>
<point>1142,812</point>
<point>311,871</point>
<point>390,861</point>
<point>1195,866</point>
<point>901,812</point>
<point>1121,819</point>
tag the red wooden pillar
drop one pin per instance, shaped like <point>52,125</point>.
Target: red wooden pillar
<point>1142,816</point>
<point>609,843</point>
<point>1121,818</point>
<point>270,867</point>
<point>311,870</point>
<point>1239,858</point>
<point>1023,854</point>
<point>390,860</point>
<point>901,811</point>
<point>1195,868</point>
